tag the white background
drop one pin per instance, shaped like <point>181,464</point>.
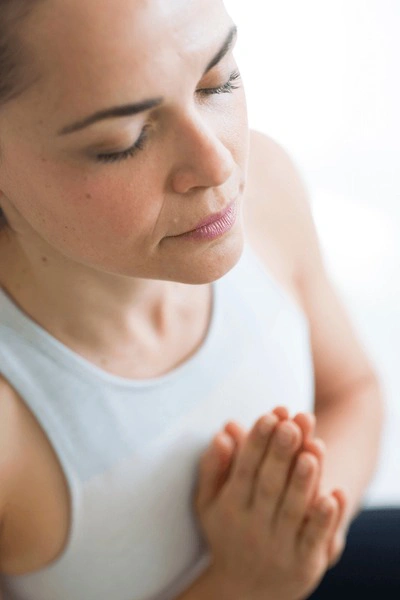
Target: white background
<point>323,79</point>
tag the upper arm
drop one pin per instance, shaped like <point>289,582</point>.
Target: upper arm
<point>339,359</point>
<point>8,454</point>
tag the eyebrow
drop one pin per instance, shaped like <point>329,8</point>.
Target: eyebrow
<point>133,109</point>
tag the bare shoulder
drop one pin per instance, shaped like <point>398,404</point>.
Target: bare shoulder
<point>8,440</point>
<point>276,209</point>
<point>275,189</point>
<point>9,446</point>
<point>279,215</point>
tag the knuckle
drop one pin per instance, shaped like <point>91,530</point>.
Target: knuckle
<point>227,515</point>
<point>243,471</point>
<point>289,513</point>
<point>310,541</point>
<point>252,539</point>
<point>266,489</point>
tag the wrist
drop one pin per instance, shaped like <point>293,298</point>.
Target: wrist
<point>209,586</point>
<point>218,587</point>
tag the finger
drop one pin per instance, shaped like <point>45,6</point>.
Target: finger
<point>291,513</point>
<point>226,452</point>
<point>315,534</point>
<point>338,541</point>
<point>336,549</point>
<point>211,469</point>
<point>281,412</point>
<point>318,448</point>
<point>248,459</point>
<point>274,471</point>
<point>237,433</point>
<point>306,422</point>
<point>341,498</point>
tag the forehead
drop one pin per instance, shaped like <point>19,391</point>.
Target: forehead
<point>99,42</point>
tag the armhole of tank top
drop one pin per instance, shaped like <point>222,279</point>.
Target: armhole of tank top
<point>59,446</point>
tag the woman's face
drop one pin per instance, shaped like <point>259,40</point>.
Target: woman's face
<point>116,192</point>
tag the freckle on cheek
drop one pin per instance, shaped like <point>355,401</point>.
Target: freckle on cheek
<point>89,196</point>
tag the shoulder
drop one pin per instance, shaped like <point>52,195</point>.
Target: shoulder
<point>278,208</point>
<point>10,447</point>
<point>277,212</point>
<point>275,190</point>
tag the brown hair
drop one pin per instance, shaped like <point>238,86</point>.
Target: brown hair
<point>13,55</point>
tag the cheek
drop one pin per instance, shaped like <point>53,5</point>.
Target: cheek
<point>111,207</point>
<point>82,215</point>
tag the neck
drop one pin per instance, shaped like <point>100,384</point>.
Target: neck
<point>92,311</point>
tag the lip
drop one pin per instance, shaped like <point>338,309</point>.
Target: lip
<point>210,220</point>
<point>213,218</point>
<point>214,226</point>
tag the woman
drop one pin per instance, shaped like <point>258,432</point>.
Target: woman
<point>161,276</point>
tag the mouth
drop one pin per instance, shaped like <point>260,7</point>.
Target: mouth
<point>213,218</point>
<point>214,225</point>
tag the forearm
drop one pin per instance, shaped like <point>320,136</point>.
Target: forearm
<point>351,426</point>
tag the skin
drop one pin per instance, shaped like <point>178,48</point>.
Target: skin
<point>81,229</point>
<point>269,509</point>
<point>230,442</point>
<point>129,260</point>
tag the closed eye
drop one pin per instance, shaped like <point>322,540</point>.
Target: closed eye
<point>227,88</point>
<point>117,156</point>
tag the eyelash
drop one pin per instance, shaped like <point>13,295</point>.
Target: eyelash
<point>226,88</point>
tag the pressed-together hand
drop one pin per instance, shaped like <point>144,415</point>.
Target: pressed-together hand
<point>268,531</point>
<point>228,448</point>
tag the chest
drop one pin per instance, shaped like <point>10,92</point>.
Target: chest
<point>39,514</point>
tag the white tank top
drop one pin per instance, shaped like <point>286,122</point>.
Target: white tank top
<point>130,448</point>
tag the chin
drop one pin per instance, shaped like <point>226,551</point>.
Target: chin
<point>210,263</point>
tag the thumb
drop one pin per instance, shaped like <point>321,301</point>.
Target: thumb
<point>213,469</point>
<point>338,542</point>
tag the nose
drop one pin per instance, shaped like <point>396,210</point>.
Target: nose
<point>201,159</point>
